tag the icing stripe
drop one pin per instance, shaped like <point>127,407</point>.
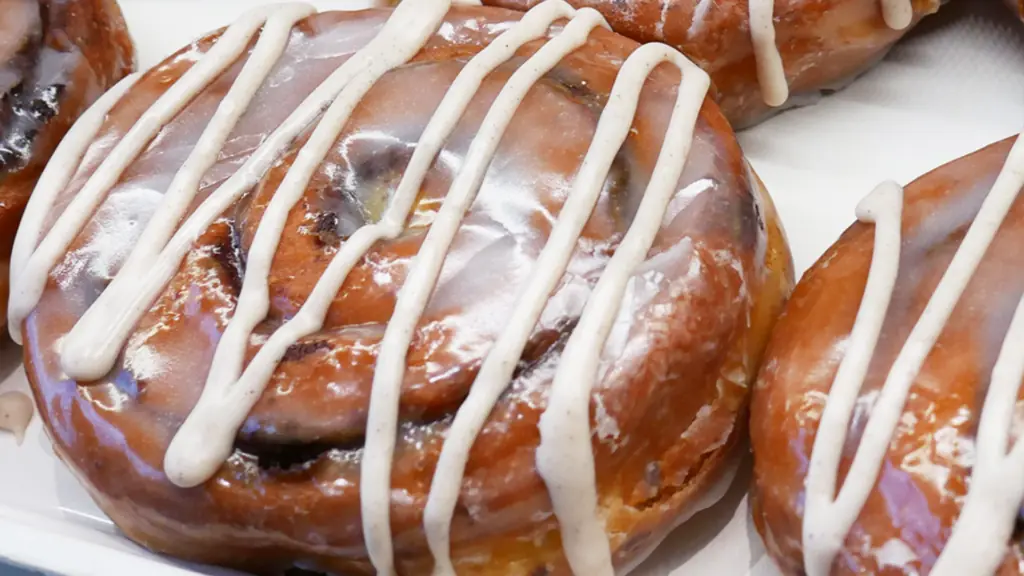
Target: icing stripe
<point>898,15</point>
<point>565,459</point>
<point>119,308</point>
<point>55,177</point>
<point>770,73</point>
<point>979,540</point>
<point>824,529</point>
<point>827,523</point>
<point>193,458</point>
<point>185,186</point>
<point>382,420</point>
<point>29,287</point>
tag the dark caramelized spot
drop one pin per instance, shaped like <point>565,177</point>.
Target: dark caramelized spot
<point>283,457</point>
<point>228,255</point>
<point>45,106</point>
<point>541,571</point>
<point>326,229</point>
<point>666,492</point>
<point>577,89</point>
<point>652,476</point>
<point>294,571</point>
<point>300,350</point>
<point>360,192</point>
<point>543,346</point>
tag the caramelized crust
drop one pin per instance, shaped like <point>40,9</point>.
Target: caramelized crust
<point>667,413</point>
<point>926,472</point>
<point>56,58</point>
<point>824,44</point>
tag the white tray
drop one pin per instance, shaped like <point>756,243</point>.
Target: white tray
<point>957,84</point>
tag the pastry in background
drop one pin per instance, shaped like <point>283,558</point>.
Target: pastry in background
<point>56,58</point>
<point>766,55</point>
<point>885,413</point>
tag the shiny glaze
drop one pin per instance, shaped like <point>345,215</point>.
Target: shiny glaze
<point>664,420</point>
<point>56,58</point>
<point>922,486</point>
<point>823,44</point>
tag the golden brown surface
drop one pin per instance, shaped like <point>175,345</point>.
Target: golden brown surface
<point>926,471</point>
<point>70,55</point>
<point>824,43</point>
<point>668,411</point>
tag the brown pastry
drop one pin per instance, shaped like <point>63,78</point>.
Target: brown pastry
<point>56,58</point>
<point>905,417</point>
<point>156,289</point>
<point>823,45</point>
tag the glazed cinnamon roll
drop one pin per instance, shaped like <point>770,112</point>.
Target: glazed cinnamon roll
<point>885,417</point>
<point>450,289</point>
<point>56,58</point>
<point>765,55</point>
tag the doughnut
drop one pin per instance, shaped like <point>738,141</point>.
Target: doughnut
<point>758,52</point>
<point>884,414</point>
<point>56,58</point>
<point>439,289</point>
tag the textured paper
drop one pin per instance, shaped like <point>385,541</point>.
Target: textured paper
<point>955,85</point>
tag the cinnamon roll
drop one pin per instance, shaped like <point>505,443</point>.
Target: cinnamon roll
<point>56,58</point>
<point>759,52</point>
<point>445,288</point>
<point>885,415</point>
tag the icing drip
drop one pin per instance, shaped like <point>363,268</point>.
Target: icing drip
<point>770,72</point>
<point>564,458</point>
<point>898,15</point>
<point>979,538</point>
<point>16,411</point>
<point>206,438</point>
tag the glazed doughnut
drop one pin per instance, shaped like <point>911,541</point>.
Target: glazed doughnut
<point>758,52</point>
<point>884,415</point>
<point>366,292</point>
<point>56,58</point>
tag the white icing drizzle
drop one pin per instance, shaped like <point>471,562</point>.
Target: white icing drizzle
<point>29,287</point>
<point>898,15</point>
<point>55,177</point>
<point>197,451</point>
<point>770,72</point>
<point>979,539</point>
<point>564,458</point>
<point>102,332</point>
<point>382,420</point>
<point>206,439</point>
<point>883,207</point>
